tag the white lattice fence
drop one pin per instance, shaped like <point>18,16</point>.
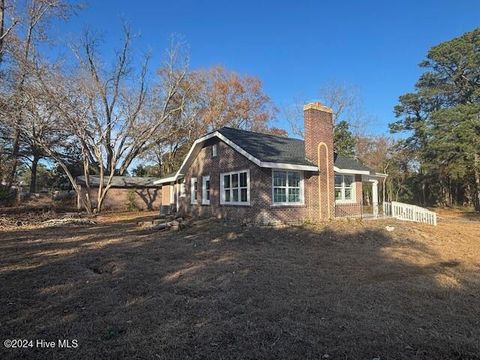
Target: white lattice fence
<point>409,212</point>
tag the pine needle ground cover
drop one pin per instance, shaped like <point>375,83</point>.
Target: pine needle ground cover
<point>347,290</point>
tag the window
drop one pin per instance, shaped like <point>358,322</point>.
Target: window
<point>344,188</point>
<point>214,150</point>
<point>235,188</point>
<point>193,190</point>
<point>287,187</point>
<point>182,190</point>
<point>206,190</point>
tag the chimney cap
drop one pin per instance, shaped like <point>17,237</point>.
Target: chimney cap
<point>317,106</point>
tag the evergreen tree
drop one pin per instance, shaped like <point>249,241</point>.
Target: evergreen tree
<point>442,118</point>
<point>343,139</point>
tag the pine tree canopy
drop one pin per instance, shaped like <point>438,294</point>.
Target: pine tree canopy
<point>442,115</point>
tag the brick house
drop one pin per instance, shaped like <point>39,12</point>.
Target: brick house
<point>243,175</point>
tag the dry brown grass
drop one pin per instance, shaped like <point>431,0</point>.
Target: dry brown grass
<point>350,290</point>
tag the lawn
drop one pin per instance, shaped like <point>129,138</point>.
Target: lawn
<point>347,290</point>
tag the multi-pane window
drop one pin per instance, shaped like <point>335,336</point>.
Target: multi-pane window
<point>193,190</point>
<point>344,187</point>
<point>287,187</point>
<point>235,188</point>
<point>206,190</point>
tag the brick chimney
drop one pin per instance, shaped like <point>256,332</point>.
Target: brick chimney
<point>318,133</point>
<point>318,128</point>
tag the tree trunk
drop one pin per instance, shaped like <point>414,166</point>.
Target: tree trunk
<point>87,202</point>
<point>476,189</point>
<point>446,193</point>
<point>424,197</point>
<point>15,150</point>
<point>19,106</point>
<point>33,176</point>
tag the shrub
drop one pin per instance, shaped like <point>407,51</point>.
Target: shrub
<point>131,204</point>
<point>8,196</point>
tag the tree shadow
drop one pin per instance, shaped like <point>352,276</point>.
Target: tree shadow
<point>455,215</point>
<point>219,290</point>
<point>148,196</point>
<point>471,215</point>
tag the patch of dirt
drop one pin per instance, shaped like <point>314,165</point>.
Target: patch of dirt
<point>342,290</point>
<point>108,267</point>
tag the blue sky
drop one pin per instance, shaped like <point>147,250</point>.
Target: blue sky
<point>297,46</point>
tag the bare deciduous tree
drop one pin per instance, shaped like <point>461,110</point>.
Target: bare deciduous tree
<point>110,113</point>
<point>214,98</point>
<point>26,32</point>
<point>6,25</point>
<point>343,98</point>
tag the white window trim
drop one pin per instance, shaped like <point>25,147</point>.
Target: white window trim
<point>172,194</point>
<point>183,191</point>
<point>206,201</point>
<point>193,181</point>
<point>354,188</point>
<point>214,150</point>
<point>222,188</point>
<point>302,197</point>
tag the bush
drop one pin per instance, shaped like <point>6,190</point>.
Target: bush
<point>8,197</point>
<point>131,204</point>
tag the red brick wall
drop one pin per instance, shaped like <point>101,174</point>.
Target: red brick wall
<point>117,199</point>
<point>352,209</point>
<point>260,209</point>
<point>358,189</point>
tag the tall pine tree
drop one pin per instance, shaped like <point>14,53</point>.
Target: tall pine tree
<point>442,118</point>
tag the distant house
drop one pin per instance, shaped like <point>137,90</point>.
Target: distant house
<point>126,192</point>
<point>237,174</point>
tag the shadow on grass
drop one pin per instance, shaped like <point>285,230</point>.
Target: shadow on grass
<point>471,215</point>
<point>225,291</point>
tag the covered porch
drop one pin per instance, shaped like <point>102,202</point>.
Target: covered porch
<point>366,198</point>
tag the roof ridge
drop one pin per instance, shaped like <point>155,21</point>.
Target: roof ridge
<point>120,176</point>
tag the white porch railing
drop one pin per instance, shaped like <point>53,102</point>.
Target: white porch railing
<point>409,212</point>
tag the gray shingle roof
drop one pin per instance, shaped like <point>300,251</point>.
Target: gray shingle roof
<point>121,181</point>
<point>268,148</point>
<point>278,149</point>
<point>343,162</point>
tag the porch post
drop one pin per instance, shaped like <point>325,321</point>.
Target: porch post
<point>175,187</point>
<point>375,197</point>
